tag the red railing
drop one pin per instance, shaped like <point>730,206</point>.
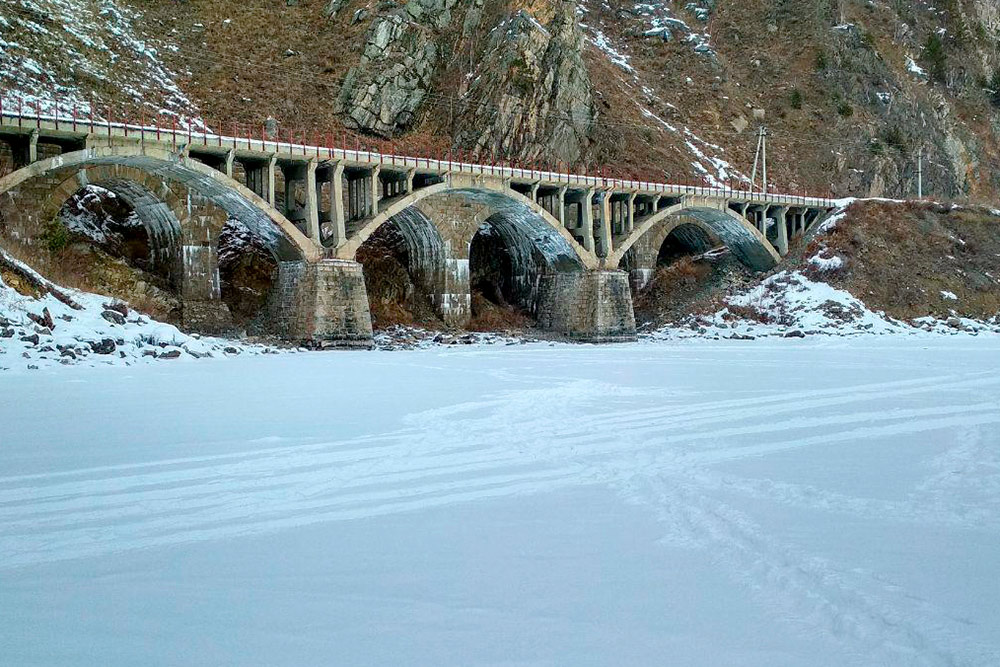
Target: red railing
<point>417,150</point>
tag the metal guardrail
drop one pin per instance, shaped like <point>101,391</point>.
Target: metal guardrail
<point>323,148</point>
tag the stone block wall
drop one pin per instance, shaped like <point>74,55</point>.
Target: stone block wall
<point>323,304</point>
<point>590,306</point>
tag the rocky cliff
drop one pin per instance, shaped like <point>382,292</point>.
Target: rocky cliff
<point>850,92</point>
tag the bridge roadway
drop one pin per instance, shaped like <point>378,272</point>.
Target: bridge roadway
<point>582,236</point>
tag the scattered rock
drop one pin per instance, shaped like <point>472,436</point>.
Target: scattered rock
<point>118,307</point>
<point>171,354</point>
<point>114,317</point>
<point>795,334</point>
<point>33,339</point>
<point>43,320</point>
<point>105,346</point>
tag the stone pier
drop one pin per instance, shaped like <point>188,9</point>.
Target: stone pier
<point>322,303</point>
<point>589,306</point>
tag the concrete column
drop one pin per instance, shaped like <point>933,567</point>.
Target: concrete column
<point>25,149</point>
<point>592,306</point>
<point>534,192</point>
<point>780,220</point>
<point>561,206</point>
<point>312,203</point>
<point>338,221</point>
<point>604,231</point>
<point>631,211</point>
<point>288,171</point>
<point>375,187</point>
<point>656,204</point>
<point>269,180</point>
<point>228,168</point>
<point>587,218</point>
<point>409,180</point>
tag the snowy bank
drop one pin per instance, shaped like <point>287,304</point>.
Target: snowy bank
<point>790,305</point>
<point>82,328</point>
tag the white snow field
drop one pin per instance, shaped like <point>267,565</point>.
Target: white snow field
<point>827,501</point>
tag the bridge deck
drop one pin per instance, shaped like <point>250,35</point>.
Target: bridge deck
<point>70,130</point>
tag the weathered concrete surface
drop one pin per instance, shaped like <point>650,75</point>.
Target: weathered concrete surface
<point>320,303</point>
<point>589,306</point>
<point>746,242</point>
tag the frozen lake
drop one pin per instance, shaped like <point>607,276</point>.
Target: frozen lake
<point>817,502</point>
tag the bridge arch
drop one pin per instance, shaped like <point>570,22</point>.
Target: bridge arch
<point>546,231</point>
<point>412,243</point>
<point>29,194</point>
<point>157,208</point>
<point>744,240</point>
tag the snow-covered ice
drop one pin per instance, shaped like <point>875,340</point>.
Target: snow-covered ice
<point>828,501</point>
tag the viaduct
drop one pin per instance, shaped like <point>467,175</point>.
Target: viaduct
<point>571,243</point>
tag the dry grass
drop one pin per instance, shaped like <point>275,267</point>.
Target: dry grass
<point>489,316</point>
<point>900,257</point>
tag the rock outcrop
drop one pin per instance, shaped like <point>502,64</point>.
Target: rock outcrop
<point>531,96</point>
<point>383,92</point>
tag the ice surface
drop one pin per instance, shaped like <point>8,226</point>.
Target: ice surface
<point>828,501</point>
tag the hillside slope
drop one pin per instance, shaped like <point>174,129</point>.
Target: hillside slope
<point>850,92</point>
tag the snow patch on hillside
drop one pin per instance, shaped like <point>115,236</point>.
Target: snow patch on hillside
<point>54,53</point>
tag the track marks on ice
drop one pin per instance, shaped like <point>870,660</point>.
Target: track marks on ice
<point>517,443</point>
<point>852,607</point>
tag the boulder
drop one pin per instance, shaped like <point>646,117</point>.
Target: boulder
<point>113,316</point>
<point>104,346</point>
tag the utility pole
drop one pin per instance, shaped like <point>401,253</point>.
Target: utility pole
<point>760,158</point>
<point>763,134</point>
<point>920,173</point>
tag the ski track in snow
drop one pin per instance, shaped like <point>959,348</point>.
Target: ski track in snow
<point>524,442</point>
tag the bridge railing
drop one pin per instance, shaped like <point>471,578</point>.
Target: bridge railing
<point>180,132</point>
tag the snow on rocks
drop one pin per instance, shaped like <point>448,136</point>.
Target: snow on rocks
<point>46,331</point>
<point>790,305</point>
<point>413,338</point>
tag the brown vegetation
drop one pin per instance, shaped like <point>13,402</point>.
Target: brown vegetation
<point>901,257</point>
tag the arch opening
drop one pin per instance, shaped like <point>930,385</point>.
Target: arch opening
<point>684,241</point>
<point>508,255</point>
<point>404,267</point>
<point>248,271</point>
<point>675,265</point>
<point>127,220</point>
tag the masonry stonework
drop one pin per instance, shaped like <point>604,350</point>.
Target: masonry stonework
<point>589,306</point>
<point>321,303</point>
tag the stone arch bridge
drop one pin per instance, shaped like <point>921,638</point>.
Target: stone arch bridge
<point>570,243</point>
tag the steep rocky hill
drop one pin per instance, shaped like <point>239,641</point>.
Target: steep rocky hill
<point>849,91</point>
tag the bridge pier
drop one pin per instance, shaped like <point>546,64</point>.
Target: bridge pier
<point>320,303</point>
<point>202,308</point>
<point>260,177</point>
<point>589,306</point>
